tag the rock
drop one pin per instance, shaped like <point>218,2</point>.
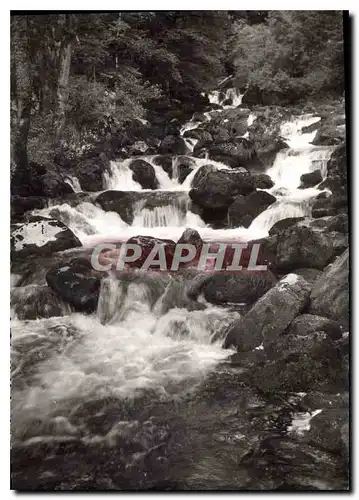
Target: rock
<point>329,134</point>
<point>309,323</point>
<point>255,95</point>
<point>202,173</point>
<point>330,293</point>
<point>270,315</point>
<point>303,246</point>
<point>76,284</point>
<point>262,181</point>
<point>309,274</point>
<point>54,182</point>
<point>182,167</point>
<point>42,238</point>
<point>245,209</point>
<point>199,117</point>
<point>336,179</point>
<point>90,173</point>
<point>121,202</point>
<point>147,243</point>
<point>173,144</point>
<point>239,150</point>
<point>299,364</point>
<point>192,237</point>
<point>326,429</point>
<point>240,287</point>
<point>217,189</point>
<point>21,204</point>
<point>165,161</point>
<point>138,148</point>
<point>37,301</point>
<point>279,226</point>
<point>311,179</point>
<point>200,134</point>
<point>144,174</point>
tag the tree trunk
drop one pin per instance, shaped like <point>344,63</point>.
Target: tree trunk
<point>63,88</point>
<point>22,93</point>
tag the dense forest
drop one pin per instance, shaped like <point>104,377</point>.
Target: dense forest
<point>79,78</point>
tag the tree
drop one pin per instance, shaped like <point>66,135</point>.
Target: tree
<point>21,97</point>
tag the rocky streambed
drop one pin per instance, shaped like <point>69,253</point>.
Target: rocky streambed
<point>187,380</point>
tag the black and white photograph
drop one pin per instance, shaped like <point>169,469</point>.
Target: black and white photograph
<point>179,251</point>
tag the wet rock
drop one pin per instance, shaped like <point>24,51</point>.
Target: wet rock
<point>54,181</point>
<point>303,246</point>
<point>173,144</point>
<point>144,174</point>
<point>309,274</point>
<point>239,151</point>
<point>300,364</point>
<point>192,237</point>
<point>165,161</point>
<point>37,301</point>
<point>240,287</point>
<point>90,173</point>
<point>329,134</point>
<point>279,226</point>
<point>326,429</point>
<point>311,179</point>
<point>182,167</point>
<point>21,204</point>
<point>42,238</point>
<point>270,315</point>
<point>147,243</point>
<point>200,134</point>
<point>245,209</point>
<point>121,202</point>
<point>76,283</point>
<point>330,293</point>
<point>309,323</point>
<point>217,189</point>
<point>336,180</point>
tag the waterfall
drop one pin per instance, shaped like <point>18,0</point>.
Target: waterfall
<point>73,181</point>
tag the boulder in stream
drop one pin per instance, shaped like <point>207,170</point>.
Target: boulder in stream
<point>144,174</point>
<point>76,283</point>
<point>270,315</point>
<point>41,237</point>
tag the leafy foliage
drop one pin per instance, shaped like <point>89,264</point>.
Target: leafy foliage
<point>291,52</point>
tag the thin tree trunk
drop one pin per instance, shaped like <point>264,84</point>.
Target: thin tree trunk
<point>21,66</point>
<point>63,87</point>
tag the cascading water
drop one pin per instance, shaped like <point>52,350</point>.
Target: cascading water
<point>97,387</point>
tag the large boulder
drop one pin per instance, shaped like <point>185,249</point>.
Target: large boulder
<point>300,364</point>
<point>311,179</point>
<point>121,202</point>
<point>337,169</point>
<point>22,204</point>
<point>270,315</point>
<point>144,174</point>
<point>329,134</point>
<point>147,243</point>
<point>309,323</point>
<point>76,283</point>
<point>42,237</point>
<point>239,152</point>
<point>54,181</point>
<point>303,246</point>
<point>217,189</point>
<point>173,144</point>
<point>241,287</point>
<point>37,301</point>
<point>246,208</point>
<point>90,172</point>
<point>330,293</point>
